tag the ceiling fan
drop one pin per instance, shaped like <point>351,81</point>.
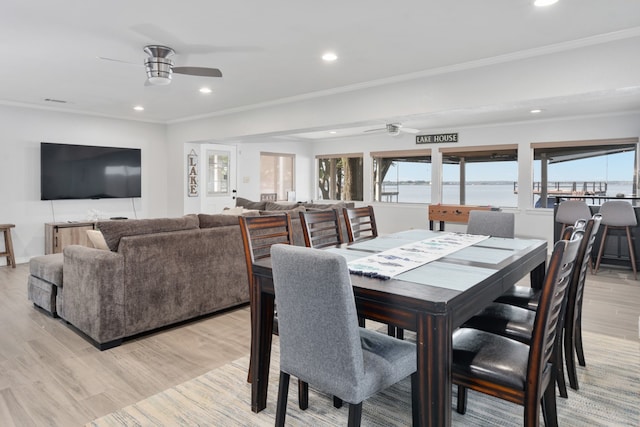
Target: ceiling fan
<point>394,129</point>
<point>160,67</point>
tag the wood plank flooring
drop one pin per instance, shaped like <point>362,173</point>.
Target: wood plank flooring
<point>51,376</point>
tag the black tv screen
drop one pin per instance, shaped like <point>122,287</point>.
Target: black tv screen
<point>88,172</point>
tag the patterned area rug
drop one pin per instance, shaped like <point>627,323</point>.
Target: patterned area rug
<point>609,395</point>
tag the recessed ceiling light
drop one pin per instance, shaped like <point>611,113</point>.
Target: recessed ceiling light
<point>205,90</point>
<point>536,111</point>
<point>138,108</point>
<point>541,3</point>
<point>332,132</point>
<point>329,57</point>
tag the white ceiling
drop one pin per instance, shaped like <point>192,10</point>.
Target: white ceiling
<point>270,51</point>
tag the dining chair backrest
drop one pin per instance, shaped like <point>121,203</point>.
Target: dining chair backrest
<point>361,223</point>
<point>491,223</point>
<point>321,228</point>
<point>548,314</point>
<point>259,233</point>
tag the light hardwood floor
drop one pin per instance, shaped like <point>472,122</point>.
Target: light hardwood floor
<point>51,376</point>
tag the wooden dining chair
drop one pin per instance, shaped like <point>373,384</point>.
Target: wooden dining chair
<point>518,322</point>
<point>320,341</point>
<point>511,370</point>
<point>527,297</point>
<point>361,223</point>
<point>321,228</point>
<point>259,233</point>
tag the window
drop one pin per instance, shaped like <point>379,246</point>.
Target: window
<point>277,174</point>
<point>340,177</point>
<point>217,173</point>
<point>480,177</point>
<point>597,168</point>
<point>402,176</point>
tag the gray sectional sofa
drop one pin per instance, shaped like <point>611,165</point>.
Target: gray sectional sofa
<point>154,273</point>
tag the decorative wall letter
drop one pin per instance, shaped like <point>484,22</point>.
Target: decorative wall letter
<point>192,174</point>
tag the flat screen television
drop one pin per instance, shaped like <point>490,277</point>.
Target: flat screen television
<point>88,172</point>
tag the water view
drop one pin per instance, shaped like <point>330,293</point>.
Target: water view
<point>485,193</point>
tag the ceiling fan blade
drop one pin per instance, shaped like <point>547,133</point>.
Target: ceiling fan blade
<point>409,130</point>
<point>375,130</point>
<point>198,71</point>
<point>104,58</point>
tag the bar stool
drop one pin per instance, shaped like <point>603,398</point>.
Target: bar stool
<point>8,244</point>
<point>617,215</point>
<point>570,211</point>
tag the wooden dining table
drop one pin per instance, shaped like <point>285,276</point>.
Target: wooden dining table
<point>432,300</point>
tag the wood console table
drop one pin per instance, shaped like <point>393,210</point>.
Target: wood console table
<point>57,235</point>
<point>454,213</point>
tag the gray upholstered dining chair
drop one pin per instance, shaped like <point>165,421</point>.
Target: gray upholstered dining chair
<point>491,223</point>
<point>320,341</point>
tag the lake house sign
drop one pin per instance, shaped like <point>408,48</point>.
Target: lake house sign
<point>437,138</point>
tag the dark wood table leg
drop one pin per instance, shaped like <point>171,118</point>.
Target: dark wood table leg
<point>262,326</point>
<point>434,369</point>
<point>537,276</point>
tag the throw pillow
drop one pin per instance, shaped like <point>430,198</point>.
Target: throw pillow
<point>97,239</point>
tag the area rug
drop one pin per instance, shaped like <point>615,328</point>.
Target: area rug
<point>609,395</point>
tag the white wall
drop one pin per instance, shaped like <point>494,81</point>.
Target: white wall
<point>24,129</point>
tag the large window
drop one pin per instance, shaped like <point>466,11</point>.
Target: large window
<point>277,172</point>
<point>583,168</point>
<point>340,177</point>
<point>402,176</point>
<point>480,177</point>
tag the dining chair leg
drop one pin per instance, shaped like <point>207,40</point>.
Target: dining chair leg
<point>462,400</point>
<point>601,250</point>
<point>569,354</point>
<point>549,411</point>
<point>283,392</point>
<point>355,414</point>
<point>303,395</point>
<point>578,340</point>
<point>337,402</point>
<point>558,365</point>
<point>391,330</point>
<point>632,253</point>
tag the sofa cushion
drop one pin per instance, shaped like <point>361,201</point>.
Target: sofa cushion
<point>294,213</point>
<point>47,268</point>
<point>221,220</point>
<point>273,206</point>
<point>114,230</point>
<point>248,204</point>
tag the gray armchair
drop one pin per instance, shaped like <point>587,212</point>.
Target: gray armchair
<point>320,341</point>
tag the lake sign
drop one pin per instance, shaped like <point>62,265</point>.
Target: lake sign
<point>437,138</point>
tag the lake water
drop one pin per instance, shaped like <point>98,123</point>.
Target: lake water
<point>485,194</point>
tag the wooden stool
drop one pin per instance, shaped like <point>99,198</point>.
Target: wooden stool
<point>8,244</point>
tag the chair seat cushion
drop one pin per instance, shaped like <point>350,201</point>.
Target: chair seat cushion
<point>506,320</point>
<point>521,296</point>
<point>490,357</point>
<point>387,360</point>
